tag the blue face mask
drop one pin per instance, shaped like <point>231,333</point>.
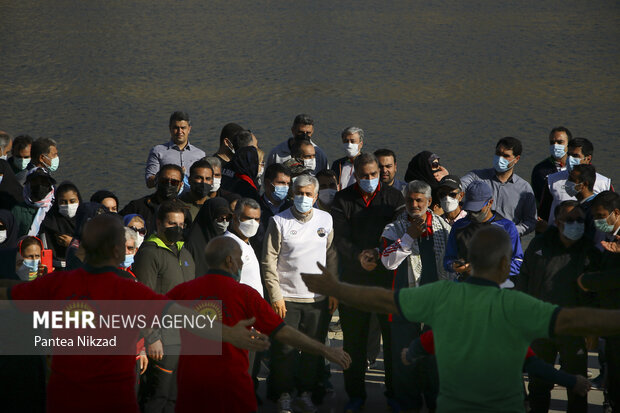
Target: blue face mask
<point>572,162</point>
<point>604,226</point>
<point>128,261</point>
<point>501,164</point>
<point>369,185</point>
<point>303,203</point>
<point>280,192</point>
<point>573,230</point>
<point>557,151</point>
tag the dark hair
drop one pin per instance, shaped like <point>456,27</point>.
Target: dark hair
<point>303,119</point>
<point>563,205</point>
<point>587,149</point>
<point>178,117</point>
<point>41,147</point>
<point>560,129</point>
<point>170,166</point>
<point>587,173</point>
<point>169,206</point>
<point>229,130</point>
<point>327,173</point>
<point>364,159</point>
<point>385,152</point>
<point>609,200</point>
<point>102,194</point>
<point>274,169</point>
<point>101,235</point>
<point>28,241</point>
<point>297,145</point>
<point>66,187</point>
<point>21,142</point>
<point>241,139</point>
<point>511,143</point>
<point>201,163</point>
<point>487,248</point>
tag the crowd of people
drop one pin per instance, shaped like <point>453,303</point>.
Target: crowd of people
<point>432,265</point>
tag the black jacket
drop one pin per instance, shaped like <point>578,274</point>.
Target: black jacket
<point>539,176</point>
<point>606,282</point>
<point>358,226</point>
<point>265,213</point>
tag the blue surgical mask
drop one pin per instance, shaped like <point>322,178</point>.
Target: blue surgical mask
<point>573,230</point>
<point>501,164</point>
<point>54,162</point>
<point>303,203</point>
<point>570,189</point>
<point>604,226</point>
<point>572,162</point>
<point>29,270</point>
<point>128,261</point>
<point>557,151</point>
<point>280,192</point>
<point>369,185</point>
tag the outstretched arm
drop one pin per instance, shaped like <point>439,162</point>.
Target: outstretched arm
<point>587,321</point>
<point>295,338</point>
<point>371,299</point>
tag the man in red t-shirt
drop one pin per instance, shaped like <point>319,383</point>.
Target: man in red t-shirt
<point>105,383</point>
<point>222,383</point>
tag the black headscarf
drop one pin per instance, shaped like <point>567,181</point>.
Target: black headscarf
<point>99,196</point>
<point>57,224</point>
<point>419,168</point>
<point>203,230</point>
<point>86,211</point>
<point>11,191</point>
<point>245,162</point>
<point>11,230</point>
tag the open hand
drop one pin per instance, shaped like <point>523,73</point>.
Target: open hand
<point>612,246</point>
<point>325,283</point>
<point>339,356</point>
<point>242,337</point>
<point>279,307</point>
<point>156,350</point>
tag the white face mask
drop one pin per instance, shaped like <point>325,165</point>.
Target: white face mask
<point>248,228</point>
<point>3,236</point>
<point>68,210</point>
<point>139,241</point>
<point>216,184</point>
<point>327,195</point>
<point>449,204</point>
<point>221,227</point>
<point>3,157</point>
<point>351,149</point>
<point>310,163</point>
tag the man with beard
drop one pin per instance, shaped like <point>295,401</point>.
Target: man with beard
<point>200,184</point>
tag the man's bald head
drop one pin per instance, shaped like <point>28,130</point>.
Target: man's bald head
<point>222,253</point>
<point>490,252</point>
<point>103,240</point>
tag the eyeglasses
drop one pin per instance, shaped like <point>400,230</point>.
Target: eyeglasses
<point>579,220</point>
<point>173,182</point>
<point>227,218</point>
<point>141,231</point>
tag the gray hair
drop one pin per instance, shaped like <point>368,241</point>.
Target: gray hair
<point>5,139</point>
<point>243,202</point>
<point>418,187</point>
<point>214,161</point>
<point>305,180</point>
<point>351,130</point>
<point>131,234</point>
<point>218,249</point>
<point>487,248</point>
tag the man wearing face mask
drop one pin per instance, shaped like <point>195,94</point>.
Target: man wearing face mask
<point>360,213</point>
<point>161,264</point>
<point>555,162</point>
<point>328,187</point>
<point>480,213</point>
<point>352,143</point>
<point>169,184</point>
<point>451,195</point>
<point>513,196</point>
<point>580,152</point>
<point>552,263</point>
<point>44,155</point>
<point>226,151</point>
<point>305,153</point>
<point>20,153</point>
<point>6,143</point>
<point>38,199</point>
<point>200,183</point>
<point>296,240</point>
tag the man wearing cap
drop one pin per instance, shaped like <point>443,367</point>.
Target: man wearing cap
<point>514,198</point>
<point>480,213</point>
<point>451,194</point>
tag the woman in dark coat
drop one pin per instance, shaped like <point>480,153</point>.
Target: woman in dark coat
<point>11,192</point>
<point>245,166</point>
<point>425,167</point>
<point>8,240</point>
<point>59,223</point>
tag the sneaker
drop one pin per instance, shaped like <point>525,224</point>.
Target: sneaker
<point>303,403</point>
<point>284,403</point>
<point>354,405</point>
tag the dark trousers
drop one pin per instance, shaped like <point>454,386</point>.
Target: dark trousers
<point>573,360</point>
<point>291,369</point>
<point>355,325</point>
<point>612,353</point>
<point>374,339</point>
<point>162,382</point>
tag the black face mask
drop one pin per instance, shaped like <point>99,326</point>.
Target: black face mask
<point>174,234</point>
<point>200,189</point>
<point>38,192</point>
<point>167,191</point>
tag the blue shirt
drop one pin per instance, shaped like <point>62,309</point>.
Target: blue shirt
<point>169,153</point>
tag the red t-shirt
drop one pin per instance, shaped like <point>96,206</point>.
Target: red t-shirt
<point>83,382</point>
<point>221,383</point>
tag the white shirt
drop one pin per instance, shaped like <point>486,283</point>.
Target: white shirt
<point>250,273</point>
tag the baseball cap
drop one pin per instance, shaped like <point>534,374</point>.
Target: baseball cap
<point>477,194</point>
<point>451,181</point>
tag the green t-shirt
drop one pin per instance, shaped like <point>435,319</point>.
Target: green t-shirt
<point>481,337</point>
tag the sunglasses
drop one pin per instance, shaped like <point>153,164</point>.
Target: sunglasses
<point>227,218</point>
<point>173,182</point>
<point>141,231</point>
<point>451,194</point>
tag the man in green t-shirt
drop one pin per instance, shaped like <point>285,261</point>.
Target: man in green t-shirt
<point>481,332</point>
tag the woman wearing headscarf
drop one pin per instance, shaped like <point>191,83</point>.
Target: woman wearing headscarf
<point>85,212</point>
<point>38,199</point>
<point>137,223</point>
<point>425,167</point>
<point>245,166</point>
<point>11,192</point>
<point>212,220</point>
<point>59,223</point>
<point>107,199</point>
<point>8,230</point>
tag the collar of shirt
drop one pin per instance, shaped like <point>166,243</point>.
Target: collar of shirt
<point>171,145</point>
<point>481,281</point>
<point>219,272</point>
<point>511,179</point>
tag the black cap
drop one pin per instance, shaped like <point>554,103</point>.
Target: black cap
<point>451,181</point>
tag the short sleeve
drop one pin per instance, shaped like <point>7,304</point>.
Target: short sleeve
<point>267,321</point>
<point>529,315</point>
<point>417,304</point>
